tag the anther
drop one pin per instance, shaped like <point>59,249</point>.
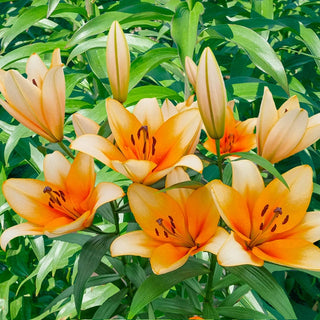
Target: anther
<point>34,82</point>
<point>47,189</point>
<point>57,193</point>
<point>132,140</point>
<point>261,226</point>
<point>52,200</point>
<point>156,231</point>
<point>165,234</point>
<point>144,147</point>
<point>173,225</point>
<point>285,110</point>
<point>159,221</point>
<point>154,141</point>
<point>145,129</point>
<point>264,210</point>
<point>285,219</point>
<point>170,218</point>
<point>173,230</point>
<point>58,201</point>
<point>274,228</point>
<point>50,205</point>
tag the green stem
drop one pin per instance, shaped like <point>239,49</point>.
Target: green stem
<point>115,216</point>
<point>66,149</point>
<point>208,296</point>
<point>219,158</point>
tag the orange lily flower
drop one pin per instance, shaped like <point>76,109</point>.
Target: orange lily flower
<point>148,147</point>
<point>284,132</point>
<point>65,202</point>
<point>175,224</point>
<point>39,101</point>
<point>269,223</point>
<point>118,62</point>
<point>238,135</point>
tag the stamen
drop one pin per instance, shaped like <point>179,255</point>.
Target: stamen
<point>274,228</point>
<point>57,193</point>
<point>159,221</point>
<point>52,200</point>
<point>172,223</point>
<point>173,230</point>
<point>261,226</point>
<point>154,141</point>
<point>264,210</point>
<point>62,195</point>
<point>277,211</point>
<point>285,219</point>
<point>170,218</point>
<point>165,233</point>
<point>145,129</point>
<point>58,201</point>
<point>132,140</point>
<point>50,205</point>
<point>144,147</point>
<point>156,231</point>
<point>285,110</point>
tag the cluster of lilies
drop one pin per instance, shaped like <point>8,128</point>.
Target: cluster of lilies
<point>263,223</point>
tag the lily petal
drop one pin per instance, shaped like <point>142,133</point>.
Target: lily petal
<point>232,208</point>
<point>216,242</point>
<point>83,125</point>
<point>22,229</point>
<point>292,203</point>
<point>247,180</point>
<point>56,168</point>
<point>136,243</point>
<point>168,109</point>
<point>149,114</point>
<point>26,197</point>
<point>167,257</point>
<point>232,253</point>
<point>297,253</point>
<point>283,137</point>
<point>135,170</point>
<point>268,116</point>
<point>36,70</point>
<point>291,104</point>
<point>97,147</point>
<point>104,192</point>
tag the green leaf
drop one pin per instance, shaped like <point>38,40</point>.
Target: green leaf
<point>151,91</point>
<point>27,19</point>
<point>155,285</point>
<point>242,313</point>
<point>262,162</point>
<point>175,305</point>
<point>52,4</point>
<point>90,257</point>
<point>148,61</point>
<point>184,28</point>
<point>261,280</point>
<point>257,48</point>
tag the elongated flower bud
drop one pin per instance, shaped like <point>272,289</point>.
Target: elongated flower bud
<point>211,94</point>
<point>118,62</point>
<point>191,71</point>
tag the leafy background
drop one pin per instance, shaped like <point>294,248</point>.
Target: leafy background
<point>257,43</point>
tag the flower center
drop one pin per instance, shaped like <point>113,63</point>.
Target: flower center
<point>227,143</point>
<point>168,229</point>
<point>269,223</point>
<point>58,201</point>
<point>143,144</point>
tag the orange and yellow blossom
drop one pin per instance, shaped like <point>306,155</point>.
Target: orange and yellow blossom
<point>38,102</point>
<point>286,131</point>
<point>175,224</point>
<point>238,135</point>
<point>65,202</point>
<point>147,147</point>
<point>269,223</point>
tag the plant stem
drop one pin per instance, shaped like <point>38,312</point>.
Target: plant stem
<point>219,159</point>
<point>66,149</point>
<point>115,216</point>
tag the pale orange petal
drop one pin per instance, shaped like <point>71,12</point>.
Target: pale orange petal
<point>149,114</point>
<point>36,70</point>
<point>53,101</point>
<point>168,109</point>
<point>295,253</point>
<point>56,58</point>
<point>216,242</point>
<point>246,127</point>
<point>247,180</point>
<point>191,71</point>
<point>291,104</point>
<point>123,124</point>
<point>104,192</point>
<point>167,257</point>
<point>285,135</point>
<point>232,253</point>
<point>97,147</point>
<point>56,168</point>
<point>26,197</point>
<point>268,116</point>
<point>232,208</point>
<point>180,195</point>
<point>202,215</point>
<point>136,170</point>
<point>292,203</point>
<point>22,229</point>
<point>136,243</point>
<point>83,125</point>
<point>157,213</point>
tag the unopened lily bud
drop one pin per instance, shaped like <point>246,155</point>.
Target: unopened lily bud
<point>118,62</point>
<point>191,71</point>
<point>211,94</point>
